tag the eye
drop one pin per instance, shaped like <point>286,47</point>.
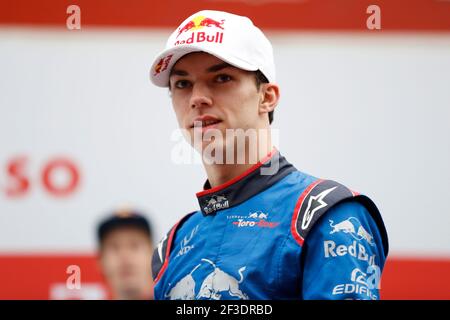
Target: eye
<point>181,84</point>
<point>223,78</point>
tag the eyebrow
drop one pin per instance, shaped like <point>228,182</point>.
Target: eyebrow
<point>214,68</point>
<point>218,67</point>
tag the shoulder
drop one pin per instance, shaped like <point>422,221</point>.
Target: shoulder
<point>337,202</point>
<point>348,221</point>
<point>162,251</point>
<point>343,256</point>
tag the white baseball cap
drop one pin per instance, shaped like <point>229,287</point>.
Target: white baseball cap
<point>231,38</point>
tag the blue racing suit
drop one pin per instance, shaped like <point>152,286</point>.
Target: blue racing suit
<point>274,233</point>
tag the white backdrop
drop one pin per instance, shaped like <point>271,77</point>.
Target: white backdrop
<point>372,112</point>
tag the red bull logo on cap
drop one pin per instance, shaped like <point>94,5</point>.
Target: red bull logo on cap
<point>162,64</point>
<point>197,23</point>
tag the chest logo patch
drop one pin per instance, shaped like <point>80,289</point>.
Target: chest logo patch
<point>258,219</point>
<point>185,244</point>
<point>216,202</point>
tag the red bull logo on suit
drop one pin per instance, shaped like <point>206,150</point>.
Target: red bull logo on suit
<point>353,227</point>
<point>213,286</point>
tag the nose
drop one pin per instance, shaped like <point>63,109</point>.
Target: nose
<point>200,96</point>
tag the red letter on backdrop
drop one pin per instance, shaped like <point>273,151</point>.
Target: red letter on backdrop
<point>67,165</point>
<point>20,183</point>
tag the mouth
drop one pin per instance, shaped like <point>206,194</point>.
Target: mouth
<point>127,273</point>
<point>205,123</point>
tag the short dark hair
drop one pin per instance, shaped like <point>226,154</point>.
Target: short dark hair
<point>121,219</point>
<point>260,79</point>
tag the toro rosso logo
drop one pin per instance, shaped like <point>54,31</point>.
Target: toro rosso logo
<point>254,219</point>
<point>198,23</point>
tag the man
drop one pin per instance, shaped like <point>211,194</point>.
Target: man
<point>125,249</point>
<point>264,229</point>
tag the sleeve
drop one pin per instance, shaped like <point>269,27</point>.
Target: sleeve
<point>344,256</point>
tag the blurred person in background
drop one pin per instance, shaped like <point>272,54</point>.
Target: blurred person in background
<point>125,252</point>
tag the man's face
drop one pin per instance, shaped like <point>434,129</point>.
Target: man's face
<point>125,259</point>
<point>205,88</point>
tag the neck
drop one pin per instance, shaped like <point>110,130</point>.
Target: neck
<point>220,173</point>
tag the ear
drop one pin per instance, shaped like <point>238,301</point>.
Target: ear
<point>270,95</point>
